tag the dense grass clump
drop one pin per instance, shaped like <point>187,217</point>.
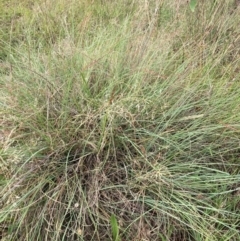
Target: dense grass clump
<point>120,121</point>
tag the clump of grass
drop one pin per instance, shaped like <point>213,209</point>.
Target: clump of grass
<point>126,121</point>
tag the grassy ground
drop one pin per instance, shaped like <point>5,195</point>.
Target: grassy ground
<point>119,120</point>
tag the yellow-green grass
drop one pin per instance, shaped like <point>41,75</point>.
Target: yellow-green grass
<point>120,121</point>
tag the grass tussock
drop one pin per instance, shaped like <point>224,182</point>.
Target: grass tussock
<point>120,121</point>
